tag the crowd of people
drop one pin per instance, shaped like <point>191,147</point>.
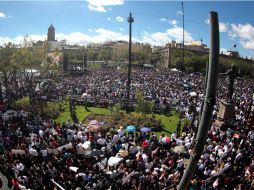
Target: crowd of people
<point>42,154</point>
<point>158,86</point>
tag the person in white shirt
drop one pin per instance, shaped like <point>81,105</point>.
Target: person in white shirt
<point>121,131</point>
<point>44,153</point>
<point>116,138</point>
<point>173,136</point>
<point>101,141</point>
<point>33,152</point>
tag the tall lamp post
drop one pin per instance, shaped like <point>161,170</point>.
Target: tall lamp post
<point>130,20</point>
<point>182,64</point>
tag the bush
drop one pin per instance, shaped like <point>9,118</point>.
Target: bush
<point>139,121</point>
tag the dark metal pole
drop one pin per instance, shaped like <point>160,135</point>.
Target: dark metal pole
<point>1,93</point>
<point>182,64</point>
<point>130,20</point>
<point>202,103</point>
<point>209,102</point>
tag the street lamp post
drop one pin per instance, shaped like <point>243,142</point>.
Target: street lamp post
<point>130,20</point>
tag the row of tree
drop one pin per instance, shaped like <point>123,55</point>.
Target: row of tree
<point>196,62</point>
<point>141,53</point>
<point>20,63</point>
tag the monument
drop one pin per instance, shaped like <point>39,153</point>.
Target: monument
<point>227,107</point>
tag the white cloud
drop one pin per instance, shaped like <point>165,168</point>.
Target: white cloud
<point>223,27</point>
<point>119,19</point>
<point>173,22</point>
<point>2,15</point>
<point>207,21</point>
<point>97,8</point>
<point>104,35</point>
<point>90,30</point>
<point>161,38</point>
<point>109,18</point>
<point>232,35</point>
<point>74,38</point>
<point>245,32</point>
<point>101,35</point>
<point>247,44</point>
<point>19,39</point>
<point>163,19</point>
<point>99,5</point>
<point>178,13</point>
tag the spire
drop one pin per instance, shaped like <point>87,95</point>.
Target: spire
<point>51,33</point>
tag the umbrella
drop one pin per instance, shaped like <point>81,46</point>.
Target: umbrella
<point>73,168</point>
<point>84,95</point>
<point>114,161</point>
<point>193,94</point>
<point>175,70</point>
<point>145,129</point>
<point>165,140</point>
<point>86,145</point>
<point>130,128</point>
<point>178,149</point>
<point>145,144</point>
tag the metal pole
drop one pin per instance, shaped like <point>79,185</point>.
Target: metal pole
<point>1,93</point>
<point>130,20</point>
<point>83,62</point>
<point>208,104</point>
<point>182,64</point>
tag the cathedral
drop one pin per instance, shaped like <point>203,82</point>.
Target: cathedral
<point>51,33</point>
<point>52,41</point>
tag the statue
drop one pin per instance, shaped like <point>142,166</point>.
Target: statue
<point>232,73</point>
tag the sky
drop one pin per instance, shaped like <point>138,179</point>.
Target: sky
<point>155,22</point>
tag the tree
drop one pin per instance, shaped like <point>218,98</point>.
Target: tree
<point>156,57</point>
<point>143,106</point>
<point>92,54</point>
<point>120,52</point>
<point>105,54</point>
<point>8,68</point>
<point>116,112</point>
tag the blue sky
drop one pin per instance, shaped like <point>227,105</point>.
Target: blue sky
<point>156,22</point>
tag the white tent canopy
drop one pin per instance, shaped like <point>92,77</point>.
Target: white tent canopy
<point>175,70</point>
<point>32,71</point>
